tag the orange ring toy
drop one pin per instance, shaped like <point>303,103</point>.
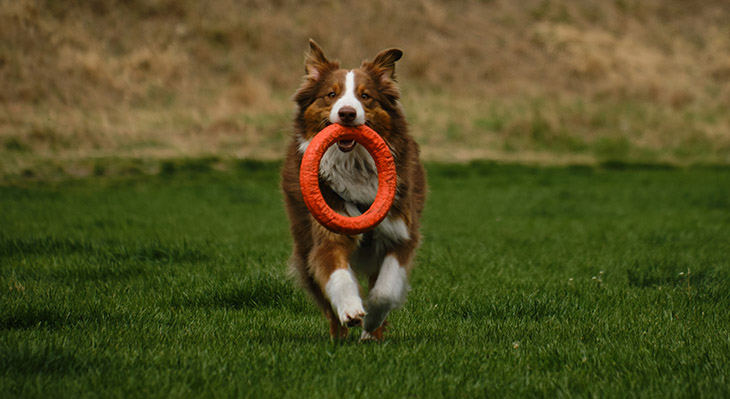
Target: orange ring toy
<point>309,179</point>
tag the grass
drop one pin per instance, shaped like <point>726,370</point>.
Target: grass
<point>606,281</point>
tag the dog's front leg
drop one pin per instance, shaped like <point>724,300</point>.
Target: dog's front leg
<point>388,293</point>
<point>330,260</point>
<point>342,289</point>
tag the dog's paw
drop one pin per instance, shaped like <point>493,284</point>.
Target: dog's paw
<point>366,336</point>
<point>374,336</point>
<point>351,312</point>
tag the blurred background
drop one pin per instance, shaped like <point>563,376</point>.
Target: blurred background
<point>86,84</point>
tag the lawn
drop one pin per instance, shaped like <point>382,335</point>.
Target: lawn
<point>609,281</point>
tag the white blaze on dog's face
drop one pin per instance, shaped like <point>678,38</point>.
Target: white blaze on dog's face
<point>348,110</point>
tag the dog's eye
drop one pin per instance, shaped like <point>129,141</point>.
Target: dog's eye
<point>331,94</point>
<point>365,96</point>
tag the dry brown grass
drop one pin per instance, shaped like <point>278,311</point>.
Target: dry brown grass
<point>539,80</point>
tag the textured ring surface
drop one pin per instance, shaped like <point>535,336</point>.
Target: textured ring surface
<point>309,179</point>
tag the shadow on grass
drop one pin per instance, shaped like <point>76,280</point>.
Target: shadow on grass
<point>253,292</point>
<point>46,359</point>
<point>52,316</point>
<point>154,251</point>
<point>32,317</point>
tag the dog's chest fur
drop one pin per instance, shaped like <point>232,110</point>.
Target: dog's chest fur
<point>352,175</point>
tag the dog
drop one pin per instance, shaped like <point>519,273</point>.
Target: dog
<point>329,264</point>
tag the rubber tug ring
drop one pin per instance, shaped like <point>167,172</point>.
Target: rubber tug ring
<point>309,179</point>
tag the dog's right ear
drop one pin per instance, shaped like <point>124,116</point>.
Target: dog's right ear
<point>316,63</point>
<point>317,66</point>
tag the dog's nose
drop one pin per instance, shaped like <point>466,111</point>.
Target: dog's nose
<point>347,114</point>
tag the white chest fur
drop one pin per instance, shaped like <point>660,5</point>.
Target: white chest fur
<point>352,175</point>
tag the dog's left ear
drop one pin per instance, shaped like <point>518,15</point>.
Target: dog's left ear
<point>384,63</point>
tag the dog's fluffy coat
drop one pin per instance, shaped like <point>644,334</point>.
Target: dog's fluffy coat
<point>328,264</point>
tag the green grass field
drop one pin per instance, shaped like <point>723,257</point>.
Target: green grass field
<point>550,282</point>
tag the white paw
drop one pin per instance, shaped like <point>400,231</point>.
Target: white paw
<point>344,296</point>
<point>351,312</point>
<point>366,336</point>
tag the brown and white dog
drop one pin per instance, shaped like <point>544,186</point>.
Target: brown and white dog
<point>329,264</point>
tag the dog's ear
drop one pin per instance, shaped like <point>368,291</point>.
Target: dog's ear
<point>316,63</point>
<point>384,63</point>
<point>382,70</point>
<point>316,66</point>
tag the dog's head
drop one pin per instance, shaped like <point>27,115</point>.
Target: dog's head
<point>367,95</point>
